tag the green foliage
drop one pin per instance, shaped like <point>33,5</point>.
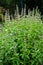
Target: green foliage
<point>21,42</point>
<point>0,17</point>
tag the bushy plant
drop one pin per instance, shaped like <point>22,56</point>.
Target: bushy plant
<point>21,42</point>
